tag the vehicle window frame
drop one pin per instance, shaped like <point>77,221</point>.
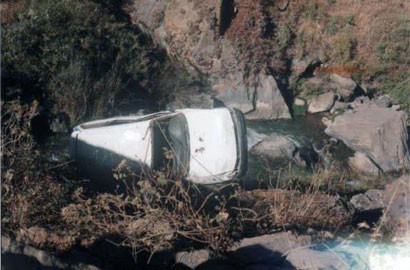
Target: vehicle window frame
<point>185,167</point>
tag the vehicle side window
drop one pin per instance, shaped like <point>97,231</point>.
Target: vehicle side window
<point>179,139</point>
<point>170,137</point>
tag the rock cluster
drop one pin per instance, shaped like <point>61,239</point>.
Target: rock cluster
<point>276,251</point>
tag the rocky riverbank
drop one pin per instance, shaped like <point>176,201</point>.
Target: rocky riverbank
<point>305,249</point>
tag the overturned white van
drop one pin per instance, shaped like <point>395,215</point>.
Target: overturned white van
<point>208,145</point>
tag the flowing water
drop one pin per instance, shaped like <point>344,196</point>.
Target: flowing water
<point>303,130</point>
<point>364,254</point>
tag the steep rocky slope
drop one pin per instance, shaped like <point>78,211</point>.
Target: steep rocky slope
<point>257,55</point>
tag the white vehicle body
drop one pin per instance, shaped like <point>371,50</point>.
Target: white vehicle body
<point>209,145</point>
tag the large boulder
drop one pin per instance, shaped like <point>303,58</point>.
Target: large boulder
<point>322,103</point>
<point>379,133</point>
<point>210,37</point>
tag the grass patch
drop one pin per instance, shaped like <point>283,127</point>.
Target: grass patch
<point>343,48</point>
<point>299,110</point>
<point>333,26</point>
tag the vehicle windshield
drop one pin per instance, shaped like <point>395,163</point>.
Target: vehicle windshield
<point>171,144</point>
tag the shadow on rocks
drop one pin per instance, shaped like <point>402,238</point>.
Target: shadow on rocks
<point>248,258</point>
<point>11,261</point>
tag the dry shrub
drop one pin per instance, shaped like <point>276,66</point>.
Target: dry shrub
<point>283,208</point>
<point>30,197</point>
<point>154,214</point>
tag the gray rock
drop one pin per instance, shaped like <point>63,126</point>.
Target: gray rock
<point>306,258</point>
<point>260,99</point>
<point>397,200</point>
<point>283,251</point>
<point>384,101</point>
<point>379,133</point>
<point>276,147</point>
<point>191,99</point>
<point>339,107</point>
<point>269,103</point>
<point>396,107</point>
<point>321,103</point>
<point>363,164</point>
<point>343,86</point>
<point>267,249</point>
<point>299,102</point>
<point>16,255</point>
<point>192,258</point>
<point>369,201</point>
<point>300,67</point>
<point>234,93</point>
<point>191,31</point>
<point>360,101</point>
<point>326,121</point>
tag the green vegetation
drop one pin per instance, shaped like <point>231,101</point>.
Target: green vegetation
<point>349,20</point>
<point>77,55</point>
<point>299,110</point>
<point>310,90</point>
<point>393,64</point>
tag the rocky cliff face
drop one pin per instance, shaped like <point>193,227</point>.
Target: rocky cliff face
<point>227,40</point>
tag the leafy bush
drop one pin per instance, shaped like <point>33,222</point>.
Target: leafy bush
<point>30,195</point>
<point>79,55</point>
